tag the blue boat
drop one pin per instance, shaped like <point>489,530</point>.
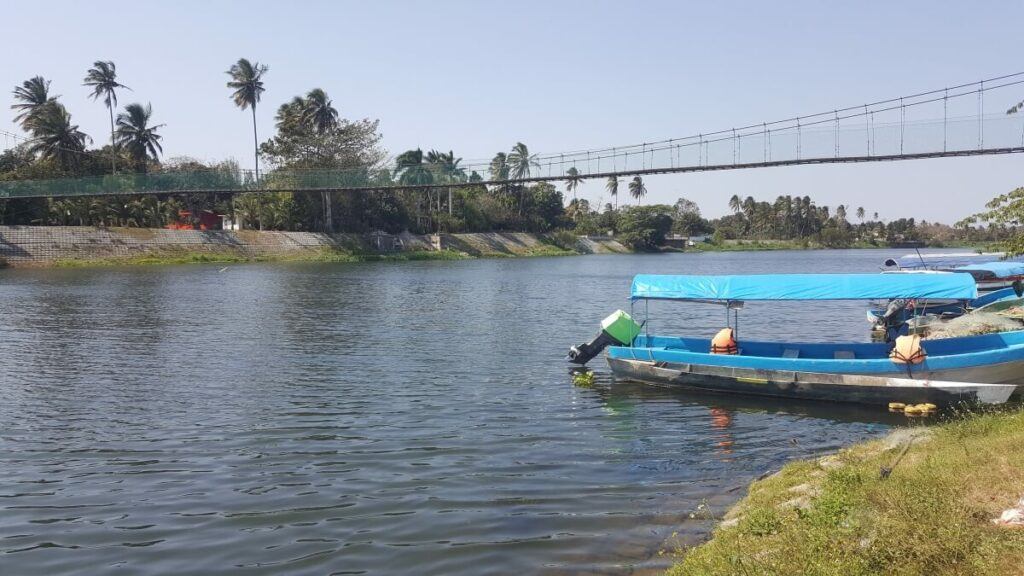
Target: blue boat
<point>1005,276</point>
<point>984,368</point>
<point>991,270</point>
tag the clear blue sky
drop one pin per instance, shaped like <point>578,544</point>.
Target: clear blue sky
<point>477,76</point>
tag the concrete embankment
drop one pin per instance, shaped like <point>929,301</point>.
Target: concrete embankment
<point>48,245</point>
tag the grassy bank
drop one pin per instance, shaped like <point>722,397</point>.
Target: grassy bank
<point>838,515</point>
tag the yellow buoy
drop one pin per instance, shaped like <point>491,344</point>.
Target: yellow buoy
<point>897,405</point>
<point>929,406</point>
<point>912,410</point>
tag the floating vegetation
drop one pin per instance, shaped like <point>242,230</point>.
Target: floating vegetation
<point>584,379</point>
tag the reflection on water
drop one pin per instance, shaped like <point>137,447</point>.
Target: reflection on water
<point>379,419</point>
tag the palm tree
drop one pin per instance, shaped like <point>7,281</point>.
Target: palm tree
<point>318,111</point>
<point>32,95</point>
<point>860,213</point>
<point>875,217</point>
<point>841,213</point>
<point>55,137</point>
<point>137,136</point>
<point>411,171</point>
<point>637,188</point>
<point>247,83</point>
<point>447,169</point>
<point>102,78</point>
<point>612,186</point>
<point>735,204</point>
<point>572,181</point>
<point>521,163</point>
<point>499,167</point>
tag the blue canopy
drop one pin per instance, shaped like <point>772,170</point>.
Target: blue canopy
<point>1001,269</point>
<point>938,286</point>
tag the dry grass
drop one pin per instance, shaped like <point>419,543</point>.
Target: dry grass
<point>932,515</point>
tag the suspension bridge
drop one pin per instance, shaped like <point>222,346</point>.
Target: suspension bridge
<point>962,120</point>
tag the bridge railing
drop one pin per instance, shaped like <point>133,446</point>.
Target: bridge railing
<point>965,119</point>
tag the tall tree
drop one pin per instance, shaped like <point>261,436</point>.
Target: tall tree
<point>521,164</point>
<point>102,78</point>
<point>612,186</point>
<point>499,167</point>
<point>841,213</point>
<point>447,170</point>
<point>572,180</point>
<point>410,170</point>
<point>637,189</point>
<point>247,83</point>
<point>318,111</point>
<point>735,204</point>
<point>32,96</point>
<point>55,137</point>
<point>137,136</point>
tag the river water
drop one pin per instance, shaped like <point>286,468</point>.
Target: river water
<point>377,418</point>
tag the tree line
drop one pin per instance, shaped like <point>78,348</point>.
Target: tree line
<point>311,135</point>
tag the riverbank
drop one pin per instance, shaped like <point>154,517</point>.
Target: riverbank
<point>842,515</point>
<point>758,244</point>
<point>86,246</point>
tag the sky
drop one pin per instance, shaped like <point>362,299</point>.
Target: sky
<point>476,77</point>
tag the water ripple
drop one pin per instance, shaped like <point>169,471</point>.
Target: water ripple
<point>372,419</point>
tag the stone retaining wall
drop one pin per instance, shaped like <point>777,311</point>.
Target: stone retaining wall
<point>26,245</point>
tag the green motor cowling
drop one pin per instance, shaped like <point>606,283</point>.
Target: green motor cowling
<point>618,328</point>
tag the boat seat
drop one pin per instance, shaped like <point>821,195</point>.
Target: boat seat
<point>791,353</point>
<point>844,355</point>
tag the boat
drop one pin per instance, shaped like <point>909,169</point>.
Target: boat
<point>1000,279</point>
<point>985,368</point>
<point>991,270</point>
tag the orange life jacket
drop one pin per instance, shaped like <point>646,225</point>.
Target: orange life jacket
<point>908,350</point>
<point>724,342</point>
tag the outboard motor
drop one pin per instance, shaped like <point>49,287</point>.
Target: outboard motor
<point>618,329</point>
<point>894,318</point>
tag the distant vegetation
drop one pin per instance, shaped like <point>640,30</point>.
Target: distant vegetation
<point>310,135</point>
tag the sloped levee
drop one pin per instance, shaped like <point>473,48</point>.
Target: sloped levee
<point>43,245</point>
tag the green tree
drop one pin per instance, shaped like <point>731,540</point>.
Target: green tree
<point>1002,211</point>
<point>637,189</point>
<point>645,227</point>
<point>612,186</point>
<point>735,204</point>
<point>54,137</point>
<point>572,180</point>
<point>247,83</point>
<point>447,170</point>
<point>521,164</point>
<point>102,78</point>
<point>137,136</point>
<point>860,213</point>
<point>32,97</point>
<point>318,111</point>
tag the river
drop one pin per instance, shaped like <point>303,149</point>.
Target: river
<point>377,418</point>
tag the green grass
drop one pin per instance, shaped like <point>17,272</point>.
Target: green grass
<point>930,516</point>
